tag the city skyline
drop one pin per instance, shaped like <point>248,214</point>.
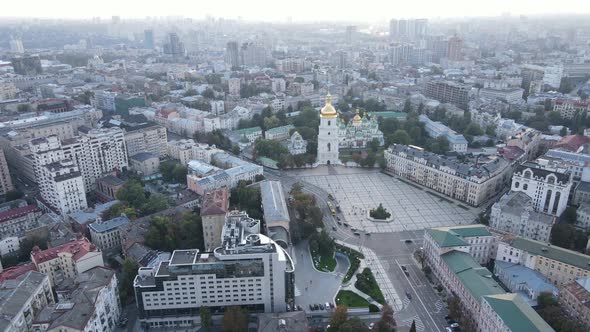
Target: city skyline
<point>371,11</point>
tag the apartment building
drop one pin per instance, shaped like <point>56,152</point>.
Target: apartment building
<point>61,187</point>
<point>514,213</point>
<point>559,265</point>
<point>186,150</point>
<point>509,312</point>
<point>575,299</point>
<point>248,270</point>
<point>67,260</point>
<point>89,302</point>
<point>448,92</point>
<point>147,137</point>
<point>214,208</point>
<point>567,108</point>
<point>5,180</point>
<point>457,142</point>
<point>145,163</point>
<point>467,182</point>
<point>14,222</point>
<point>105,234</point>
<point>548,187</point>
<point>527,139</point>
<point>512,95</point>
<point>236,170</point>
<point>22,299</point>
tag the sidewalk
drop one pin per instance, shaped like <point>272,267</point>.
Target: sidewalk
<point>371,261</point>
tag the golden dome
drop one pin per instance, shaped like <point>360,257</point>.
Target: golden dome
<point>357,118</point>
<point>328,111</point>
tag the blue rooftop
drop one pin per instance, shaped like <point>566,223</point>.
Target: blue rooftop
<point>83,217</point>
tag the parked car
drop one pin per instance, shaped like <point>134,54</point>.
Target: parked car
<point>311,307</point>
<point>448,329</point>
<point>322,307</point>
<point>408,241</point>
<point>455,325</point>
<point>368,234</point>
<point>345,224</point>
<point>328,305</point>
<point>371,326</point>
<point>409,295</point>
<point>357,233</point>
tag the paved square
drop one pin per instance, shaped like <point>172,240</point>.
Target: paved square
<point>412,208</point>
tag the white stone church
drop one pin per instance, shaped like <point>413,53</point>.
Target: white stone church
<point>334,134</point>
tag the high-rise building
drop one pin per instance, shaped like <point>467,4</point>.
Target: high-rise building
<point>174,46</point>
<point>149,41</point>
<point>448,92</point>
<point>248,269</point>
<point>234,86</point>
<point>351,31</point>
<point>455,51</point>
<point>148,137</point>
<point>16,45</point>
<point>5,180</point>
<point>408,30</point>
<point>253,54</point>
<point>232,55</point>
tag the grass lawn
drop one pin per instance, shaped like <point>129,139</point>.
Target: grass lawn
<point>354,258</point>
<point>366,283</point>
<point>350,299</point>
<point>323,263</point>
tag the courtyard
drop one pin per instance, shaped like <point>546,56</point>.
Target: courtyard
<point>412,207</point>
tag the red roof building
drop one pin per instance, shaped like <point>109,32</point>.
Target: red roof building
<point>572,142</point>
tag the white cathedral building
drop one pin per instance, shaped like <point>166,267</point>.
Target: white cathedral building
<point>335,134</point>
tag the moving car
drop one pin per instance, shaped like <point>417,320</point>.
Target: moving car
<point>409,295</point>
<point>408,241</point>
<point>357,233</point>
<point>334,228</point>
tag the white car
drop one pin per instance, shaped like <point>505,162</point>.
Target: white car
<point>371,326</point>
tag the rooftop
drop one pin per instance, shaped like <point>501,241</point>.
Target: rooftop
<point>549,251</point>
<point>274,204</point>
<point>541,173</point>
<point>18,212</point>
<point>215,202</point>
<point>517,202</point>
<point>77,248</point>
<point>83,217</point>
<point>143,156</point>
<point>453,236</point>
<point>475,278</point>
<point>516,314</point>
<point>14,294</point>
<point>101,226</point>
<point>112,180</point>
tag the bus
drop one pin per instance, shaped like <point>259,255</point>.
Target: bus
<point>332,209</point>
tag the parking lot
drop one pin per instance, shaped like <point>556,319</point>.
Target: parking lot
<point>411,207</point>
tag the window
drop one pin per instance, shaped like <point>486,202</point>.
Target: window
<point>516,184</point>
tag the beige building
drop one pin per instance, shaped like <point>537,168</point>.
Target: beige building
<point>145,163</point>
<point>186,150</point>
<point>146,138</point>
<point>213,210</point>
<point>67,260</point>
<point>106,234</point>
<point>462,181</point>
<point>575,299</point>
<point>559,265</point>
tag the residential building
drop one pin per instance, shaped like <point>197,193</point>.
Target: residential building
<point>448,92</point>
<point>61,187</point>
<point>508,312</point>
<point>9,245</point>
<point>149,41</point>
<point>455,52</point>
<point>468,182</point>
<point>145,163</point>
<point>234,86</point>
<point>557,264</point>
<point>214,208</point>
<point>105,234</point>
<point>549,188</point>
<point>186,150</point>
<point>5,180</point>
<point>174,46</point>
<point>88,302</point>
<point>514,213</point>
<point>574,161</point>
<point>248,269</point>
<point>67,260</point>
<point>7,91</point>
<point>249,134</point>
<point>583,216</point>
<point>527,139</point>
<point>146,138</point>
<point>253,54</point>
<point>475,240</point>
<point>581,193</point>
<point>297,145</point>
<point>567,108</point>
<point>22,299</point>
<point>524,281</point>
<point>14,222</point>
<point>276,214</point>
<point>104,100</point>
<point>16,45</point>
<point>457,142</point>
<point>278,133</point>
<point>80,220</point>
<point>232,56</point>
<point>236,170</point>
<point>574,297</point>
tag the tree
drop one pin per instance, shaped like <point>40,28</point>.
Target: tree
<point>400,136</point>
<point>173,172</point>
<point>209,93</point>
<point>353,325</point>
<point>129,272</point>
<point>269,148</point>
<point>387,322</point>
<point>234,320</point>
<point>339,317</point>
<point>413,327</point>
<point>12,195</point>
<point>205,314</point>
<point>421,257</point>
<point>132,192</point>
<point>178,232</point>
<point>380,212</point>
<point>546,299</point>
<point>23,108</point>
<point>569,237</point>
<point>407,106</point>
<point>570,214</point>
<point>454,305</point>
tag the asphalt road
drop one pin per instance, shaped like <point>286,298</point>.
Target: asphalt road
<point>425,305</point>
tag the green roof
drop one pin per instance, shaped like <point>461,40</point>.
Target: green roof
<point>247,131</point>
<point>446,239</point>
<point>452,236</point>
<point>280,129</point>
<point>477,279</point>
<point>516,314</point>
<point>387,115</point>
<point>552,252</point>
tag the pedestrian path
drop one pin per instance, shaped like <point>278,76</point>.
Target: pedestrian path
<point>371,261</point>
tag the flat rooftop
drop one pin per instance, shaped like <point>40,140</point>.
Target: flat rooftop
<point>184,257</point>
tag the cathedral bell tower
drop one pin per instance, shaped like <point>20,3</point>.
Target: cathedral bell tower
<point>328,141</point>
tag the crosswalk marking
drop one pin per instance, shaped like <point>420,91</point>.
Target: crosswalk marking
<point>439,305</point>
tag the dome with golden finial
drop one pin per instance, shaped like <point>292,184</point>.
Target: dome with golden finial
<point>328,111</point>
<point>357,118</point>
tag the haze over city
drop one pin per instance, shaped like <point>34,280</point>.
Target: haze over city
<point>232,166</point>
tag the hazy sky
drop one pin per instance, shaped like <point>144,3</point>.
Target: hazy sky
<point>299,10</point>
